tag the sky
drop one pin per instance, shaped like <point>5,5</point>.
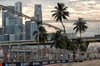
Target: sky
<point>88,9</point>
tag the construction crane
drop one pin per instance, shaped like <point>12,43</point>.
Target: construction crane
<point>25,16</point>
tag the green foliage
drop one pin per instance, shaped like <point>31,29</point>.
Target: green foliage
<point>58,40</point>
<point>60,13</point>
<point>80,26</point>
<point>42,35</point>
<point>61,41</point>
<point>79,43</point>
<point>83,47</point>
<point>69,44</point>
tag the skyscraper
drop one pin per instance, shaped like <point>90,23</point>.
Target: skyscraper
<point>19,26</point>
<point>37,16</point>
<point>18,8</point>
<point>38,12</point>
<point>6,14</point>
<point>10,23</point>
<point>1,30</point>
<point>33,28</point>
<point>30,27</point>
<point>28,30</point>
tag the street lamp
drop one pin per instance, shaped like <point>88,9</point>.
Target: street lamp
<point>38,35</point>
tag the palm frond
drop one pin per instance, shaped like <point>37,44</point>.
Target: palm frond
<point>34,33</point>
<point>60,13</point>
<point>80,25</point>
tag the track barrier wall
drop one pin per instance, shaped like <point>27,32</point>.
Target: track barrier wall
<point>46,56</point>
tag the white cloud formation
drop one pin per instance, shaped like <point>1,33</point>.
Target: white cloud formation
<point>76,8</point>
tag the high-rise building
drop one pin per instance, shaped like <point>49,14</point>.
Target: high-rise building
<point>2,37</point>
<point>11,37</point>
<point>33,25</point>
<point>18,6</point>
<point>33,28</point>
<point>30,27</point>
<point>18,30</point>
<point>28,30</point>
<point>14,37</point>
<point>24,33</point>
<point>6,37</point>
<point>38,12</point>
<point>6,14</point>
<point>1,30</point>
<point>19,26</point>
<point>10,23</point>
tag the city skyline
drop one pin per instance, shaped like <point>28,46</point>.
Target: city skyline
<point>12,23</point>
<point>89,10</point>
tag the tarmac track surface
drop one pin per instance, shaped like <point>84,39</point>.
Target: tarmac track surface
<point>84,63</point>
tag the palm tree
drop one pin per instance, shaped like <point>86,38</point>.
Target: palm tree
<point>61,41</point>
<point>80,26</point>
<point>42,35</point>
<point>69,44</point>
<point>58,40</point>
<point>83,47</point>
<point>80,44</point>
<point>60,13</point>
<point>78,41</point>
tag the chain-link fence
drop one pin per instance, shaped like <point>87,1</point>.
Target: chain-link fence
<point>29,53</point>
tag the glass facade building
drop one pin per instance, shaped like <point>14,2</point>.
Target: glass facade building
<point>33,28</point>
<point>30,27</point>
<point>1,30</point>
<point>10,23</point>
<point>38,12</point>
<point>28,30</point>
<point>2,38</point>
<point>18,8</point>
<point>6,14</point>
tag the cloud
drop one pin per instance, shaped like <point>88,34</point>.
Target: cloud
<point>28,11</point>
<point>76,8</point>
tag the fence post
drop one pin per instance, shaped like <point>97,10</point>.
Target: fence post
<point>18,53</point>
<point>9,51</point>
<point>25,53</point>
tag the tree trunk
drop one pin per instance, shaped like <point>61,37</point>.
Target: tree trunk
<point>63,28</point>
<point>80,34</point>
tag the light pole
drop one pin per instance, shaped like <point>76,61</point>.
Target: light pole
<point>38,35</point>
<point>0,45</point>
